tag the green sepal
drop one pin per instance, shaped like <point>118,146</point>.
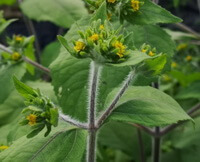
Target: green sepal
<point>23,89</point>
<point>63,41</point>
<point>38,129</point>
<point>54,115</point>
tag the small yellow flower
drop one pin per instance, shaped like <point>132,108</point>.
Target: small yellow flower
<point>32,119</point>
<point>188,58</point>
<point>94,37</point>
<point>101,27</point>
<point>109,16</point>
<point>144,50</point>
<point>151,53</point>
<point>79,46</point>
<point>18,38</point>
<point>135,4</point>
<point>166,78</point>
<point>15,56</point>
<point>111,1</point>
<point>3,147</point>
<point>181,46</point>
<point>121,48</point>
<point>173,64</point>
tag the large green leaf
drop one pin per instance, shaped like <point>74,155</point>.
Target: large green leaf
<point>63,144</point>
<point>61,12</point>
<point>150,13</point>
<point>154,36</point>
<point>185,144</point>
<point>125,140</point>
<point>6,74</point>
<point>147,106</point>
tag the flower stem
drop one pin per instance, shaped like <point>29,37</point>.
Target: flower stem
<point>156,146</point>
<point>93,78</point>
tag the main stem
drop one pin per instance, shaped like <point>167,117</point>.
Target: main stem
<point>156,146</point>
<point>94,74</point>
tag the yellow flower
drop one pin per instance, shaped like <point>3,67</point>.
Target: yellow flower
<point>109,16</point>
<point>188,58</point>
<point>111,1</point>
<point>32,119</point>
<point>79,46</point>
<point>166,78</point>
<point>15,56</point>
<point>135,4</point>
<point>151,53</point>
<point>121,48</point>
<point>94,37</point>
<point>174,64</point>
<point>144,50</point>
<point>181,46</point>
<point>4,147</point>
<point>18,38</point>
<point>101,27</point>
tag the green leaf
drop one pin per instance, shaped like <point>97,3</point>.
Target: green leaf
<point>125,140</point>
<point>54,116</point>
<point>69,144</point>
<point>61,12</point>
<point>7,2</point>
<point>6,74</point>
<point>151,35</point>
<point>5,24</point>
<point>50,53</point>
<point>101,13</point>
<point>192,91</point>
<point>23,89</point>
<point>64,43</point>
<point>136,57</point>
<point>147,106</point>
<point>150,13</point>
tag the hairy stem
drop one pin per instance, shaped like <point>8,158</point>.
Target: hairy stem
<point>141,145</point>
<point>37,65</point>
<point>156,146</point>
<point>93,78</point>
<point>111,107</point>
<point>72,121</point>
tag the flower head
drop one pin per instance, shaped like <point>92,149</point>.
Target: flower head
<point>135,4</point>
<point>181,46</point>
<point>120,47</point>
<point>111,1</point>
<point>173,64</point>
<point>15,56</point>
<point>3,147</point>
<point>101,27</point>
<point>151,53</point>
<point>188,58</point>
<point>94,37</point>
<point>18,38</point>
<point>32,119</point>
<point>79,46</point>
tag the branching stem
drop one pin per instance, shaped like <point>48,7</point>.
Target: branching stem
<point>111,107</point>
<point>156,146</point>
<point>37,65</point>
<point>93,86</point>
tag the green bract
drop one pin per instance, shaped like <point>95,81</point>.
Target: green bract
<point>40,111</point>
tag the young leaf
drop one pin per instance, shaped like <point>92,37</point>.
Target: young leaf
<point>147,106</point>
<point>101,13</point>
<point>63,41</point>
<point>150,13</point>
<point>23,89</point>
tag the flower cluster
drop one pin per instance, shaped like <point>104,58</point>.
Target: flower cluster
<point>148,50</point>
<point>40,111</point>
<point>100,43</point>
<point>3,147</point>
